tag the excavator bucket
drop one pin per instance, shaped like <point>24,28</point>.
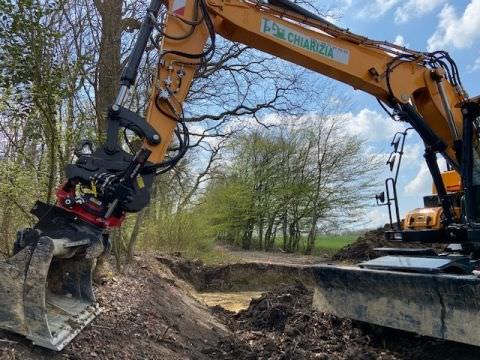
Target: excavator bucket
<point>436,304</point>
<point>46,287</point>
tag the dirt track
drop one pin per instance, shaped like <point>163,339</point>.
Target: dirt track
<point>151,313</point>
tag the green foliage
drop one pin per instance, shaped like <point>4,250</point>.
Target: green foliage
<point>290,182</point>
<point>228,203</point>
<point>33,80</point>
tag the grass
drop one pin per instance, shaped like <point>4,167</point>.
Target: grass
<point>330,244</point>
<point>205,249</point>
<point>324,245</point>
<point>327,244</point>
<point>213,256</point>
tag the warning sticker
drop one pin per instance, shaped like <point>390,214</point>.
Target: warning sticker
<point>179,7</point>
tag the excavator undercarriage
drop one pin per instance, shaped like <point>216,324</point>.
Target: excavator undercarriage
<point>408,293</point>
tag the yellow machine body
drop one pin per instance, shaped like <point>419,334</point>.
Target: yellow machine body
<point>424,218</point>
<point>451,180</point>
<point>430,217</point>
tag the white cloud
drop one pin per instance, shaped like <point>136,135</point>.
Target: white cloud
<point>457,31</point>
<point>400,41</point>
<point>375,217</point>
<point>371,125</point>
<point>377,8</point>
<point>474,67</point>
<point>422,183</point>
<point>413,153</point>
<point>415,8</point>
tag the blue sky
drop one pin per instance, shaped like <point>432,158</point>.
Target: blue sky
<point>452,25</point>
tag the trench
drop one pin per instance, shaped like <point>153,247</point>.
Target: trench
<point>284,312</point>
<point>231,301</point>
<point>234,286</point>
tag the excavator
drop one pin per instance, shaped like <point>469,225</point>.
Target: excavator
<point>46,286</point>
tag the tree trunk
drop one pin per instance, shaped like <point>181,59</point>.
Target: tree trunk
<point>247,236</point>
<point>109,61</point>
<point>260,234</point>
<point>268,236</point>
<point>294,236</point>
<point>312,235</point>
<point>134,235</point>
<point>284,231</point>
<point>117,249</point>
<point>52,168</point>
<point>5,228</point>
<point>108,70</point>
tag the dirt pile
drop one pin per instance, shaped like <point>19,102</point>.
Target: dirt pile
<point>363,248</point>
<point>147,313</point>
<point>281,325</point>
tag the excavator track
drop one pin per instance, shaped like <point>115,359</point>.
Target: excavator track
<point>444,306</point>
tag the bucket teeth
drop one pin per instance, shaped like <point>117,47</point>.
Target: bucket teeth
<point>46,287</point>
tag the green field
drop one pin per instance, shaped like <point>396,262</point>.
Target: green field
<point>327,244</point>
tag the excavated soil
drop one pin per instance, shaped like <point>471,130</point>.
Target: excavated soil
<point>363,248</point>
<point>150,313</point>
<point>282,325</point>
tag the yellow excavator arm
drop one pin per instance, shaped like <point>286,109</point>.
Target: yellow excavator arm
<point>423,89</point>
<point>393,74</point>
